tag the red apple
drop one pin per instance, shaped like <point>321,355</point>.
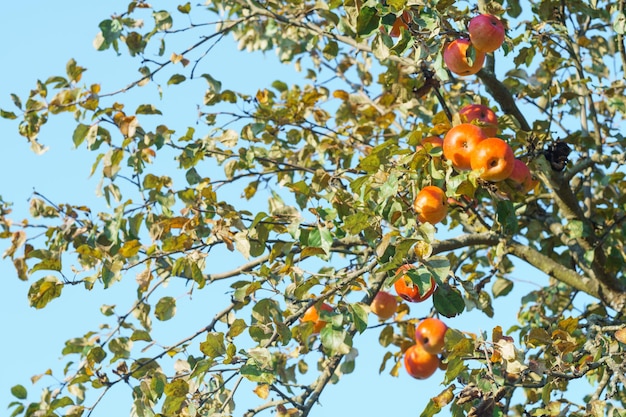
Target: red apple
<point>455,56</point>
<point>486,118</point>
<point>493,158</point>
<point>486,32</point>
<point>522,176</point>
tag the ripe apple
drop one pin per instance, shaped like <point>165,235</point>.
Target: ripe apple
<point>459,143</point>
<point>431,205</point>
<point>455,56</point>
<point>486,118</point>
<point>494,159</point>
<point>430,334</point>
<point>312,314</point>
<point>486,32</point>
<point>406,289</point>
<point>384,305</point>
<point>419,363</point>
<point>522,176</point>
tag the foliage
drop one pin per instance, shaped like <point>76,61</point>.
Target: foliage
<point>327,172</point>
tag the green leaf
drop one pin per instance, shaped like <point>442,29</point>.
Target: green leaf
<point>147,109</point>
<point>162,20</point>
<point>439,267</point>
<point>236,328</point>
<point>386,336</point>
<point>184,8</point>
<point>19,392</point>
<point>165,308</point>
<point>448,301</point>
<point>367,22</point>
<point>506,217</point>
<point>331,50</point>
<point>176,79</point>
<point>501,287</point>
<point>141,335</point>
<point>214,346</point>
<point>176,393</point>
<point>359,314</point>
<point>7,115</point>
<point>44,291</point>
<point>334,340</point>
<point>251,371</point>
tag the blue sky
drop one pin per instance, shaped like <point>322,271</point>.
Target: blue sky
<point>38,44</point>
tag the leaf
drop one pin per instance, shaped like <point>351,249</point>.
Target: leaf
<point>176,393</point>
<point>501,287</point>
<point>439,267</point>
<point>184,8</point>
<point>162,20</point>
<point>176,79</point>
<point>367,21</point>
<point>251,371</point>
<point>262,391</point>
<point>506,217</point>
<point>44,291</point>
<point>7,115</point>
<point>165,308</point>
<point>19,392</point>
<point>130,248</point>
<point>359,316</point>
<point>237,327</point>
<point>147,109</point>
<point>448,301</point>
<point>437,403</point>
<point>334,340</point>
<point>214,346</point>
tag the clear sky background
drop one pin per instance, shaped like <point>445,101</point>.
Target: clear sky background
<point>38,39</point>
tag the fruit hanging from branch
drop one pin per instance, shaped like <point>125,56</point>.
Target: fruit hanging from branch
<point>462,58</point>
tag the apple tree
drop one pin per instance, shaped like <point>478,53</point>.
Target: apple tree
<point>325,174</point>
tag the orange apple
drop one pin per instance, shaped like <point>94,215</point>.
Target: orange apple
<point>419,363</point>
<point>407,290</point>
<point>455,56</point>
<point>486,118</point>
<point>430,333</point>
<point>431,205</point>
<point>312,314</point>
<point>493,158</point>
<point>459,143</point>
<point>486,32</point>
<point>384,305</point>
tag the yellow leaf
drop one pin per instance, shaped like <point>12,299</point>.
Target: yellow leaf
<point>262,390</point>
<point>130,248</point>
<point>340,94</point>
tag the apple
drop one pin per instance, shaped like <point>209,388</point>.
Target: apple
<point>486,118</point>
<point>493,158</point>
<point>486,32</point>
<point>430,333</point>
<point>459,143</point>
<point>455,56</point>
<point>384,305</point>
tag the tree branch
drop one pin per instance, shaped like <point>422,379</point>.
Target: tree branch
<point>503,96</point>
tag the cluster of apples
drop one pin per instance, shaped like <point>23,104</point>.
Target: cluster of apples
<point>473,145</point>
<point>486,34</point>
<point>421,359</point>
